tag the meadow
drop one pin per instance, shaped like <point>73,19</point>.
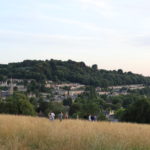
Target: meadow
<point>33,133</point>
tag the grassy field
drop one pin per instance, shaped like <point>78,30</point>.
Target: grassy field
<point>29,133</point>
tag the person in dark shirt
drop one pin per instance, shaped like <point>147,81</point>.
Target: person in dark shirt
<point>92,118</point>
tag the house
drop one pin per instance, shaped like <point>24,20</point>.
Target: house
<point>4,94</point>
<point>110,115</point>
<point>103,93</point>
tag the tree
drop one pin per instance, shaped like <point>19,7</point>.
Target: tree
<point>17,104</point>
<point>43,106</point>
<point>138,111</point>
<point>120,71</point>
<point>90,108</point>
<point>69,71</point>
<point>119,113</point>
<point>104,83</point>
<point>56,107</point>
<point>15,88</point>
<point>95,67</point>
<point>67,88</point>
<point>67,102</point>
<point>74,108</point>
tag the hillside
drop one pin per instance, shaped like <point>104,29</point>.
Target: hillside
<point>69,71</point>
<point>28,133</point>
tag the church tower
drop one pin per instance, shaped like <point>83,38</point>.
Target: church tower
<point>11,90</point>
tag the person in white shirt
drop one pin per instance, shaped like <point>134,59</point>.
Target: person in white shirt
<point>53,116</point>
<point>90,119</point>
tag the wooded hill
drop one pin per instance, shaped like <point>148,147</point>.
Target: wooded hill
<point>69,71</point>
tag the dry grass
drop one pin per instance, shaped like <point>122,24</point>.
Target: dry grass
<point>28,133</point>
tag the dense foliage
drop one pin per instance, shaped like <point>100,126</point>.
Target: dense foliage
<point>138,112</point>
<point>17,104</point>
<point>89,103</point>
<point>69,71</point>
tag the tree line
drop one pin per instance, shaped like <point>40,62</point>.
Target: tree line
<point>69,71</point>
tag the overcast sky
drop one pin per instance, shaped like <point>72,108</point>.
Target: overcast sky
<point>111,33</point>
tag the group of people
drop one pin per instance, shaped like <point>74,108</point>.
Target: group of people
<point>61,116</point>
<point>92,117</point>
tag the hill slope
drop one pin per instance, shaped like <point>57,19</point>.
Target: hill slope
<point>27,133</point>
<point>69,71</point>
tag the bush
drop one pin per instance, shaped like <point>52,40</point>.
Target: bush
<point>138,111</point>
<point>17,104</point>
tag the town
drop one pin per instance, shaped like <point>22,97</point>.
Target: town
<point>50,91</point>
<point>58,92</point>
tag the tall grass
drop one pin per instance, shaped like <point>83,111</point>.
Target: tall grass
<point>29,133</point>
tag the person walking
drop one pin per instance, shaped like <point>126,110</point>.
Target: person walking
<point>66,115</point>
<point>60,116</point>
<point>51,116</point>
<point>95,118</point>
<point>77,117</point>
<point>90,119</point>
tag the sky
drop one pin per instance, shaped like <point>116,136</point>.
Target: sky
<point>113,34</point>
